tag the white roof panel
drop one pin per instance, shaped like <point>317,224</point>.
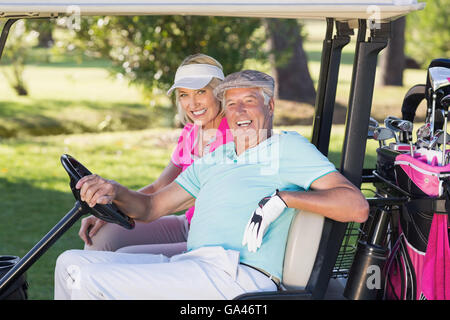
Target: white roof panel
<point>341,10</point>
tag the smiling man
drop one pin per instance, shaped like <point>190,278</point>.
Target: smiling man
<point>249,107</point>
<point>250,113</point>
<point>238,234</point>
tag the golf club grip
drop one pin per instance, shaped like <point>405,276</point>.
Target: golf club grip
<point>41,247</point>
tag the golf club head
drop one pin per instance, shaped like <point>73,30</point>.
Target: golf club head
<point>389,119</point>
<point>422,143</point>
<point>373,123</point>
<point>439,77</point>
<point>402,127</point>
<point>438,136</point>
<point>382,134</point>
<point>424,131</point>
<point>399,125</point>
<point>441,135</point>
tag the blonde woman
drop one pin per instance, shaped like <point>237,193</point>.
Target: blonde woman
<point>205,129</point>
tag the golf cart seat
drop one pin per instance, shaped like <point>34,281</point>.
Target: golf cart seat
<point>301,249</point>
<point>301,261</point>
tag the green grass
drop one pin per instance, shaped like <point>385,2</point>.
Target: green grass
<point>72,99</point>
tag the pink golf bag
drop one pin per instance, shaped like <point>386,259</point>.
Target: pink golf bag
<point>418,266</point>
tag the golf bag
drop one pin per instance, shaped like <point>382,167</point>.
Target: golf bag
<point>418,266</point>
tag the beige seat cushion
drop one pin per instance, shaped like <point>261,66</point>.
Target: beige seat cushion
<point>303,242</point>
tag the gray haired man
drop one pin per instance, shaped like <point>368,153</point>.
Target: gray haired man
<point>238,235</point>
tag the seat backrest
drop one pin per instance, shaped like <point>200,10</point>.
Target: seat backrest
<point>301,249</point>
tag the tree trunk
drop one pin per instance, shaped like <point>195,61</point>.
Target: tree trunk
<point>289,61</point>
<point>392,61</point>
<point>45,39</point>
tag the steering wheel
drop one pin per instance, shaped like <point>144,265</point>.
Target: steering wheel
<point>106,212</point>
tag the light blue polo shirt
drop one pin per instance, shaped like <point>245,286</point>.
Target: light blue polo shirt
<point>228,189</point>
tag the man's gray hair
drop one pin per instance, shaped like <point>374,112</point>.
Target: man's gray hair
<point>265,96</point>
<point>247,79</point>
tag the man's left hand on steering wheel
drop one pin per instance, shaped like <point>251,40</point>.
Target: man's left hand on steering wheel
<point>96,190</point>
<point>269,209</point>
<point>94,193</point>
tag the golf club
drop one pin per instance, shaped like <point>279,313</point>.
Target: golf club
<point>445,103</point>
<point>403,127</point>
<point>382,134</point>
<point>424,132</point>
<point>373,124</point>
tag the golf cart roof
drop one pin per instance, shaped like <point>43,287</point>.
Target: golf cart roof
<point>337,9</point>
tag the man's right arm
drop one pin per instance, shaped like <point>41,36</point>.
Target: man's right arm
<point>141,207</point>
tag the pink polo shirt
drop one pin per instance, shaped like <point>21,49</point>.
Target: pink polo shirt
<point>187,150</point>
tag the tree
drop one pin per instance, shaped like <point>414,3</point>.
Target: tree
<point>392,61</point>
<point>289,61</point>
<point>428,35</point>
<point>148,49</point>
<point>15,53</point>
<point>44,29</point>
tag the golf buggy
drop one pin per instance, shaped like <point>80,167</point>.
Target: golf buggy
<point>318,248</point>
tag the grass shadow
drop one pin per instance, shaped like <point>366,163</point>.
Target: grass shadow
<point>38,117</point>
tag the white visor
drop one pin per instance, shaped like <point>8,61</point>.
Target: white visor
<point>195,76</point>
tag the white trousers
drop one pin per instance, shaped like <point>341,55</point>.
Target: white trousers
<point>166,235</point>
<point>210,273</point>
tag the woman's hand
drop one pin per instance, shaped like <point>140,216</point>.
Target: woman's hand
<point>89,227</point>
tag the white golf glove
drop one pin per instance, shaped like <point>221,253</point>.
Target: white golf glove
<point>269,208</point>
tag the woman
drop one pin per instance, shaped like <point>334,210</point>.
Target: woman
<point>205,129</point>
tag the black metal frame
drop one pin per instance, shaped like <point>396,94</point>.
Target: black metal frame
<point>5,32</point>
<point>326,90</point>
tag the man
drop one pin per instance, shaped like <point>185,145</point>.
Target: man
<point>245,194</point>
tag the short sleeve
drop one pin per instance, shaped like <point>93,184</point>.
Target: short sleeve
<point>301,162</point>
<point>189,180</point>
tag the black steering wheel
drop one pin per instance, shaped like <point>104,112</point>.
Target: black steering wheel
<point>106,212</point>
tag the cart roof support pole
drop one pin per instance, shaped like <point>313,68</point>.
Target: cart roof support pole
<point>358,114</point>
<point>331,235</point>
<point>5,32</point>
<point>322,84</point>
<point>328,79</point>
<point>360,103</point>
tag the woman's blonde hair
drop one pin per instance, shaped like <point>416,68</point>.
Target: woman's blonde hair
<point>199,58</point>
